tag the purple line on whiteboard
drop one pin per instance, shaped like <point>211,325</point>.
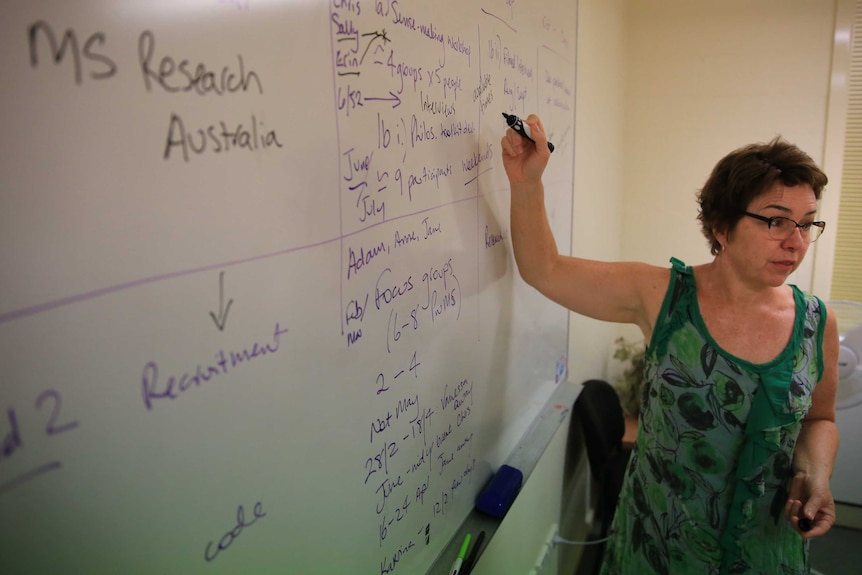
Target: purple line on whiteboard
<point>552,51</point>
<point>82,297</point>
<point>500,19</point>
<point>78,298</point>
<point>411,214</point>
<point>477,176</point>
<point>25,477</point>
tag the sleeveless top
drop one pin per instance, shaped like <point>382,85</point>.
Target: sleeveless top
<point>706,484</point>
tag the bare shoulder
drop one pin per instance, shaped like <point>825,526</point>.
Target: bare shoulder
<point>653,285</point>
<point>649,281</point>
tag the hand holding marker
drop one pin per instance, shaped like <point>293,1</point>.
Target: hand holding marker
<point>519,126</point>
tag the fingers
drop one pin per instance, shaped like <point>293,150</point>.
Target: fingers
<point>537,131</point>
<point>525,158</point>
<point>517,143</point>
<point>536,124</point>
<point>794,513</point>
<point>810,528</point>
<point>512,143</point>
<point>807,519</point>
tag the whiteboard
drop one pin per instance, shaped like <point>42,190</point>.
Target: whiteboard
<point>258,306</point>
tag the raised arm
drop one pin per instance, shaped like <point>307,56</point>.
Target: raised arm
<point>618,292</point>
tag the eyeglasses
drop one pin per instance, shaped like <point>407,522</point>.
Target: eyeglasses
<point>782,228</point>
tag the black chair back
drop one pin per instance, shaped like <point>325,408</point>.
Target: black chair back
<point>601,417</point>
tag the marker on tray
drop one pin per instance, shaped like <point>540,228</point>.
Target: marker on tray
<point>519,126</point>
<point>471,559</point>
<point>456,566</point>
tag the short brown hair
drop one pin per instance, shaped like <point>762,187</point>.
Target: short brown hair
<point>745,174</point>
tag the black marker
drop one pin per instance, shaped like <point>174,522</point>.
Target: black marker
<point>519,126</point>
<point>474,556</point>
<point>805,524</point>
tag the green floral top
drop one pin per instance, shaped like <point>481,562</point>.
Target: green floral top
<point>706,485</point>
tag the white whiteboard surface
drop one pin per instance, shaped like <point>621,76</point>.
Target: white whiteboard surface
<point>258,308</point>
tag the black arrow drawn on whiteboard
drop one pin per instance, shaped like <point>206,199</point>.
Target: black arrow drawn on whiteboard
<point>394,98</point>
<point>221,319</point>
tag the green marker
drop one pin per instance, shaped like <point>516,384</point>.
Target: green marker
<point>456,566</point>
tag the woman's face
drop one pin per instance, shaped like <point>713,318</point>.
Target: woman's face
<point>760,258</point>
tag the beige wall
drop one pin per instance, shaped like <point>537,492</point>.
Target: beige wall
<point>599,177</point>
<point>705,77</point>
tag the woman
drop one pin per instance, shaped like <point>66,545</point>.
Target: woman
<point>737,425</point>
